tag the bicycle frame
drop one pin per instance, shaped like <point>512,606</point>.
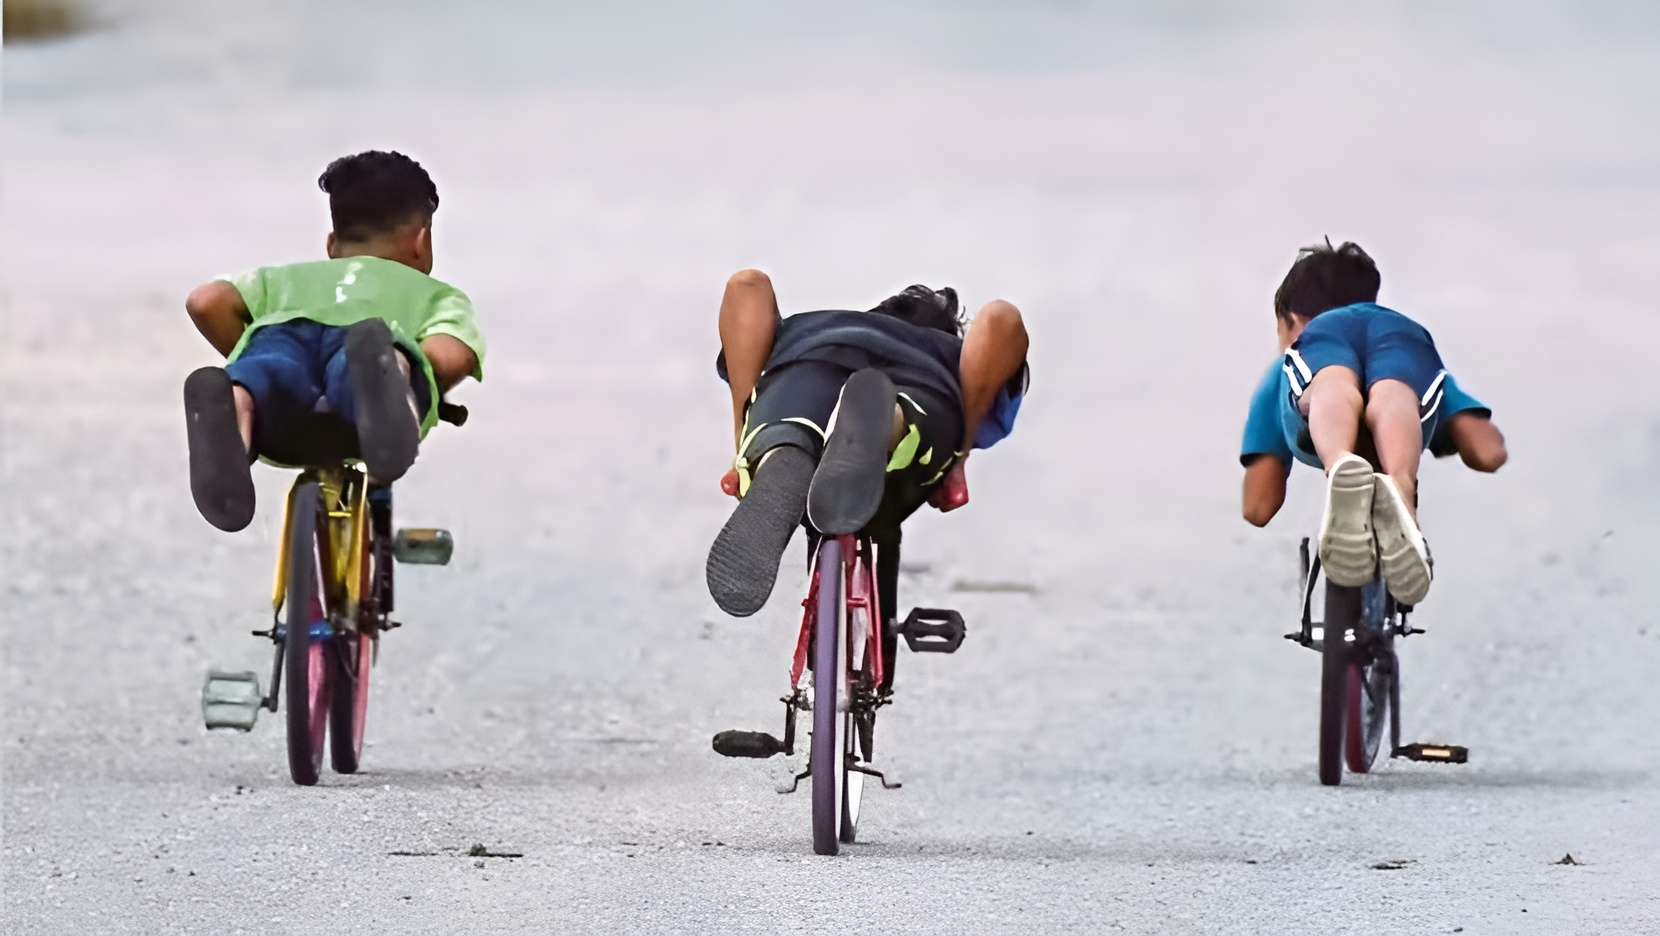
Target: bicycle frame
<point>345,489</point>
<point>350,603</point>
<point>863,601</point>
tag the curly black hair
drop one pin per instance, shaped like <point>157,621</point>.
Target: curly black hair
<point>374,192</point>
<point>925,307</point>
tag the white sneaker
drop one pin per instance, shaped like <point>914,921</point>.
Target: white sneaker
<point>1402,551</point>
<point>1348,549</point>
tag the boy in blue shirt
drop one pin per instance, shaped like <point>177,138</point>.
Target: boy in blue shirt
<point>1349,364</point>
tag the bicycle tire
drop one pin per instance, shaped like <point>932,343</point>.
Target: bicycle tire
<point>1342,614</point>
<point>305,655</point>
<point>826,755</point>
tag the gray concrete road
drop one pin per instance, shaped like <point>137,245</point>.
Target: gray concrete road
<point>1128,745</point>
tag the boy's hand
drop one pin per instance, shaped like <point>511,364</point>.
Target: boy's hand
<point>729,482</point>
<point>953,490</point>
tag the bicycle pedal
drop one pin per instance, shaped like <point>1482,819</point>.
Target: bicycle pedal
<point>747,744</point>
<point>933,630</point>
<point>231,700</point>
<point>1434,753</point>
<point>414,546</point>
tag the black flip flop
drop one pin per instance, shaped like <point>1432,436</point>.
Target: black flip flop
<point>388,432</point>
<point>847,488</point>
<point>743,562</point>
<point>220,481</point>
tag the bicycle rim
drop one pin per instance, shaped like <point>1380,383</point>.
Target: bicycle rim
<point>1368,712</point>
<point>853,636</point>
<point>827,755</point>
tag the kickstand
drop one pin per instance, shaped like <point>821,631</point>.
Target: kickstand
<point>873,772</point>
<point>795,781</point>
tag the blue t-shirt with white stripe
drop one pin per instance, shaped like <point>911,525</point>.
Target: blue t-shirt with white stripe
<point>1271,428</point>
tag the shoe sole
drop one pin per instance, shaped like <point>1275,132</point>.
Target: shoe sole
<point>220,482</point>
<point>388,433</point>
<point>852,474</point>
<point>743,562</point>
<point>1402,552</point>
<point>1348,548</point>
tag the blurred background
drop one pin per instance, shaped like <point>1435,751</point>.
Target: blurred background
<point>1136,176</point>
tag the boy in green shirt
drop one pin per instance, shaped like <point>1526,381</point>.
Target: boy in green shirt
<point>340,358</point>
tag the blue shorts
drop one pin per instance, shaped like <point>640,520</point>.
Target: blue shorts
<point>1377,344</point>
<point>304,410</point>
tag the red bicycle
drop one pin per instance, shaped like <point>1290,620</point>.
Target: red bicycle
<point>842,674</point>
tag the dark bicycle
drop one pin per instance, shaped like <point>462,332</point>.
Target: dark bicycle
<point>1360,674</point>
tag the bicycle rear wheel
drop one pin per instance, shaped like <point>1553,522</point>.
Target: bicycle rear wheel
<point>1372,675</point>
<point>827,755</point>
<point>1342,614</point>
<point>306,660</point>
<point>350,656</point>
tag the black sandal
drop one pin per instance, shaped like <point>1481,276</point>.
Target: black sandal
<point>220,482</point>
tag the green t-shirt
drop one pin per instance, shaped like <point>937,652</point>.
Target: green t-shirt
<point>352,289</point>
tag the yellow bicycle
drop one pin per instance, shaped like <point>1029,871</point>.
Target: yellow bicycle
<point>331,602</point>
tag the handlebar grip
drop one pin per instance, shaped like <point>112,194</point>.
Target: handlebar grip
<point>453,413</point>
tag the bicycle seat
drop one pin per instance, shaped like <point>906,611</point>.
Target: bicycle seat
<point>315,440</point>
<point>320,439</point>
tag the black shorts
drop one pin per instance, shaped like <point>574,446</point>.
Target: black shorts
<point>792,406</point>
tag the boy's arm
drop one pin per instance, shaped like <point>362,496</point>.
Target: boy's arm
<point>1264,488</point>
<point>452,361</point>
<point>748,324</point>
<point>994,350</point>
<point>1480,444</point>
<point>218,312</point>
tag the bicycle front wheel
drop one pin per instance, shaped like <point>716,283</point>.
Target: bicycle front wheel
<point>307,668</point>
<point>827,755</point>
<point>1342,615</point>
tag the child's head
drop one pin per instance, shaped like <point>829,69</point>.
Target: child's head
<point>1324,277</point>
<point>924,307</point>
<point>382,205</point>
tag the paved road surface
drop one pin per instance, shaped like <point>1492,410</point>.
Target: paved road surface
<point>1126,744</point>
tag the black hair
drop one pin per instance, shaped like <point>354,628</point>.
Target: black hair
<point>374,192</point>
<point>1326,277</point>
<point>928,308</point>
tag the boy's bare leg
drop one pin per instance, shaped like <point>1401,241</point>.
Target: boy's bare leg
<point>1392,415</point>
<point>1332,403</point>
<point>748,324</point>
<point>244,414</point>
<point>1403,556</point>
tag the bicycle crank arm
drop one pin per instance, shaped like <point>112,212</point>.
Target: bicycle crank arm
<point>1434,753</point>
